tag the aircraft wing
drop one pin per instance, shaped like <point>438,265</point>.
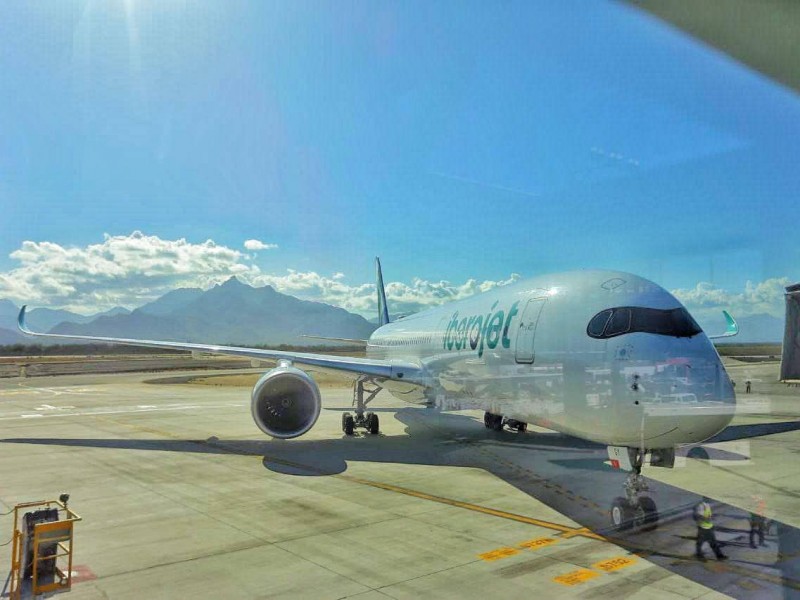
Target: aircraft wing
<point>349,366</point>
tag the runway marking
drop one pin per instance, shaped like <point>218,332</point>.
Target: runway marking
<point>612,564</point>
<point>581,531</point>
<point>498,554</point>
<point>537,543</point>
<point>576,577</point>
<point>123,411</point>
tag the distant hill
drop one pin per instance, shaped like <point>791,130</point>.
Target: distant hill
<point>8,337</point>
<point>232,312</point>
<point>40,319</point>
<point>757,328</point>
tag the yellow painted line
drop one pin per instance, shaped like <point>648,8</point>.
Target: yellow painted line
<point>584,532</point>
<point>576,577</point>
<point>537,543</point>
<point>612,564</point>
<point>498,554</point>
<point>563,529</point>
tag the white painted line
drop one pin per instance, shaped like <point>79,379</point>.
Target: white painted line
<point>116,412</point>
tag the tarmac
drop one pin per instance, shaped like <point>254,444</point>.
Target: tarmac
<point>183,497</point>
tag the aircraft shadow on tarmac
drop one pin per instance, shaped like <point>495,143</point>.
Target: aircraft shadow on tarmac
<point>566,473</point>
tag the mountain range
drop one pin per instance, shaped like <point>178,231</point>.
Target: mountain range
<point>229,313</point>
<point>236,313</point>
<point>41,319</point>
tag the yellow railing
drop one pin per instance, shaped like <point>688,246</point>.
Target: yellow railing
<point>52,532</point>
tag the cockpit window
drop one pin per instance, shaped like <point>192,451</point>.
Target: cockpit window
<point>676,322</point>
<point>619,323</point>
<point>598,323</point>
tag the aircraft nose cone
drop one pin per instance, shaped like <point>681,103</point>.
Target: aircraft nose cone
<point>678,393</point>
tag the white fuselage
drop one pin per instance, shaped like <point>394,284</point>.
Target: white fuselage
<point>523,351</point>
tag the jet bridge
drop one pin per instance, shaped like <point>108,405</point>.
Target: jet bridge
<point>790,359</point>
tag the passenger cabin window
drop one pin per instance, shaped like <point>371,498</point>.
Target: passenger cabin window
<point>676,322</point>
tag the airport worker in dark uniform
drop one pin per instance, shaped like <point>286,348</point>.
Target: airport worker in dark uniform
<point>705,530</point>
<point>758,522</point>
<point>747,386</point>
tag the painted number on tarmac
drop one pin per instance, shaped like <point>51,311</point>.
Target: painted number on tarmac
<point>576,577</point>
<point>612,564</point>
<point>537,543</point>
<point>498,554</point>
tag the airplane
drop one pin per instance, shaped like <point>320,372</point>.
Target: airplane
<point>605,356</point>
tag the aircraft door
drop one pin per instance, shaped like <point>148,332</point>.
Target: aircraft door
<point>527,330</point>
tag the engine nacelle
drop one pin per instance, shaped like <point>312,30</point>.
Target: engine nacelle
<point>285,402</point>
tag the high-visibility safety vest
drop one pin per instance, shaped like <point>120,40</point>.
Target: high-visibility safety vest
<point>703,512</point>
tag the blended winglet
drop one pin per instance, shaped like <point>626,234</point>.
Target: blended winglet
<point>383,309</point>
<point>731,329</point>
<point>21,322</point>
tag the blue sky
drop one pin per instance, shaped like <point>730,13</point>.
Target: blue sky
<point>456,140</point>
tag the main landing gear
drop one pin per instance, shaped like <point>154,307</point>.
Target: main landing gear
<point>497,422</point>
<point>368,421</point>
<point>634,511</point>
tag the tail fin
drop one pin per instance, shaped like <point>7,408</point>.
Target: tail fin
<point>383,310</point>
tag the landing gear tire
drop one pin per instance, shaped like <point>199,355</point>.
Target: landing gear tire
<point>493,421</point>
<point>348,424</point>
<point>518,426</point>
<point>635,509</point>
<point>373,423</point>
<point>649,517</point>
<point>621,514</point>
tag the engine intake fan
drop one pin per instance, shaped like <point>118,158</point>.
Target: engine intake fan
<point>285,402</point>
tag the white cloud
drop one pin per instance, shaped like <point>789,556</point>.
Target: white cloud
<point>130,270</point>
<point>402,297</point>
<point>126,270</point>
<point>258,245</point>
<point>756,298</point>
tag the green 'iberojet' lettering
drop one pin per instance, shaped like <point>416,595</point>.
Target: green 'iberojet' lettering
<point>480,331</point>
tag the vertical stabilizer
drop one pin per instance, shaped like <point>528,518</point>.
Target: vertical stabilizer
<point>383,310</point>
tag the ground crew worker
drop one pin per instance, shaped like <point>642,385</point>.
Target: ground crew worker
<point>758,522</point>
<point>747,386</point>
<point>705,530</point>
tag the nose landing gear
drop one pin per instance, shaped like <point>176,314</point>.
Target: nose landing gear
<point>634,511</point>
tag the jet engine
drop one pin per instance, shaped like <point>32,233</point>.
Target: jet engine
<point>285,402</point>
